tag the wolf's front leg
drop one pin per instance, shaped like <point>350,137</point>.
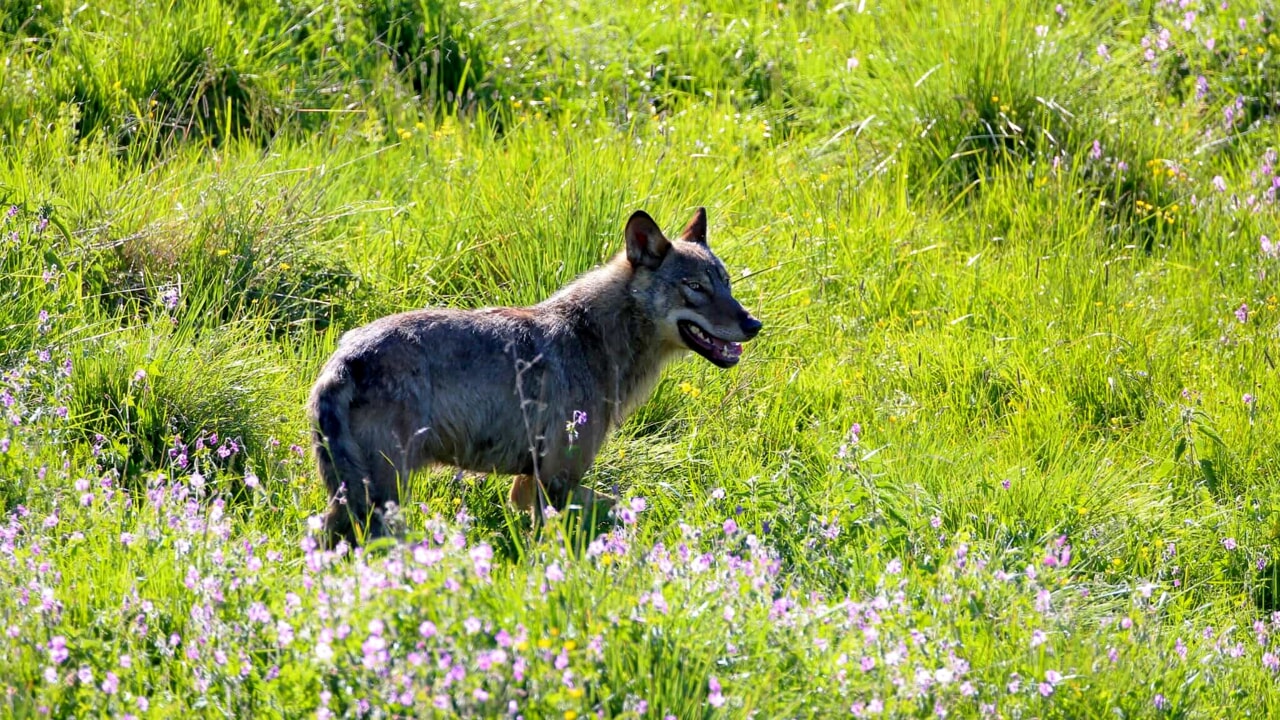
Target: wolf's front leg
<point>596,507</point>
<point>530,496</point>
<point>524,494</point>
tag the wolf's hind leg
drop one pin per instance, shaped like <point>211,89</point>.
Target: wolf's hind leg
<point>387,483</point>
<point>350,517</point>
<point>337,524</point>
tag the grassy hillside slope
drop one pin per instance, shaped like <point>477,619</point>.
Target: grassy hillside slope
<point>1007,446</point>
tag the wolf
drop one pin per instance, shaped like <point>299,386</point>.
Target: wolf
<point>531,392</point>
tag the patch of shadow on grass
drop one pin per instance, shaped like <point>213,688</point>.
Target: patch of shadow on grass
<point>138,393</point>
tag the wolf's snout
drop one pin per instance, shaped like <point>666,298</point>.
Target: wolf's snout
<point>751,326</point>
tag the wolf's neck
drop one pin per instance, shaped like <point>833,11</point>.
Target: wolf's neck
<point>622,344</point>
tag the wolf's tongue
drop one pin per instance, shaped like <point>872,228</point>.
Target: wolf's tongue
<point>726,350</point>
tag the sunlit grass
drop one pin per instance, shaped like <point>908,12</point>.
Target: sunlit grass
<point>1006,446</point>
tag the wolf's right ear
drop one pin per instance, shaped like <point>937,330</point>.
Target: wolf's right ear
<point>646,245</point>
<point>696,230</point>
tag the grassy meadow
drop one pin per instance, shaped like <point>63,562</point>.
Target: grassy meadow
<point>1007,446</point>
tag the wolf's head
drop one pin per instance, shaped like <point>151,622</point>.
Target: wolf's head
<point>685,289</point>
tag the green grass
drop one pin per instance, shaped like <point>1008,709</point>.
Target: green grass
<point>1023,250</point>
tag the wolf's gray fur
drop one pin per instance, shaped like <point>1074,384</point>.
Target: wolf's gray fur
<point>503,389</point>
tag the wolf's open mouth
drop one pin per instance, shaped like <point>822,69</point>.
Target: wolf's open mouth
<point>720,352</point>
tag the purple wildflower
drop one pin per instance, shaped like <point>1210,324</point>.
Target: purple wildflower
<point>714,696</point>
<point>170,297</point>
<point>258,613</point>
<point>554,573</point>
<point>851,441</point>
<point>58,650</point>
<point>482,559</point>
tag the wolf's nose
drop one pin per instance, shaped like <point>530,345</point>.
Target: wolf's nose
<point>751,326</point>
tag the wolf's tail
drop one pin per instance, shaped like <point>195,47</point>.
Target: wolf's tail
<point>338,457</point>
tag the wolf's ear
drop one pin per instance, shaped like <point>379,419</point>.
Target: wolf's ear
<point>696,230</point>
<point>646,245</point>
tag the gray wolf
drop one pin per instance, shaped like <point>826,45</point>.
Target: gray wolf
<point>531,392</point>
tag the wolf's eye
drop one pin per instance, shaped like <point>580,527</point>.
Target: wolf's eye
<point>694,286</point>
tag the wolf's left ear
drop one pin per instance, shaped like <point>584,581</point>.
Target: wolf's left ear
<point>696,230</point>
<point>646,245</point>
